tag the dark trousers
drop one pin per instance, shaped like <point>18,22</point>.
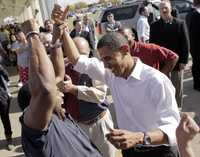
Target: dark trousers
<point>160,151</point>
<point>196,71</point>
<point>4,113</point>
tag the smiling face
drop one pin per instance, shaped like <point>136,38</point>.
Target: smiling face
<point>112,60</point>
<point>165,10</point>
<point>114,51</point>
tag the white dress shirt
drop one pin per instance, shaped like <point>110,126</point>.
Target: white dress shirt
<point>95,94</point>
<point>143,28</point>
<point>144,102</point>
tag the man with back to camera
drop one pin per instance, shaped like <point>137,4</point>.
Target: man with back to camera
<point>43,134</point>
<point>144,118</point>
<point>85,100</point>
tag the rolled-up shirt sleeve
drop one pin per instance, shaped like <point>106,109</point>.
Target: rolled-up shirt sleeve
<point>95,94</point>
<point>92,67</point>
<point>167,110</point>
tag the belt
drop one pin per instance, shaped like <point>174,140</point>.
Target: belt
<point>147,148</point>
<point>94,120</point>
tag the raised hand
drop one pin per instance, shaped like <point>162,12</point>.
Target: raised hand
<point>60,25</point>
<point>187,129</point>
<point>58,15</point>
<point>30,25</point>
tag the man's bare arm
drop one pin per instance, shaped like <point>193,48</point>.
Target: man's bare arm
<point>169,66</point>
<point>58,63</point>
<point>170,60</point>
<point>42,86</point>
<point>69,47</point>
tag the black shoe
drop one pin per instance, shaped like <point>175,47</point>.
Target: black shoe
<point>9,141</point>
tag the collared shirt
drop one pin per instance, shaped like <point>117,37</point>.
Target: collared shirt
<point>89,102</point>
<point>144,101</point>
<point>94,94</point>
<point>143,28</point>
<point>151,54</point>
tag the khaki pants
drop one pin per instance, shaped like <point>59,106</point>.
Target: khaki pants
<point>177,81</point>
<point>97,132</point>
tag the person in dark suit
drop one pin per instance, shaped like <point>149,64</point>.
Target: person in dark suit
<point>170,33</point>
<point>193,25</point>
<point>78,31</point>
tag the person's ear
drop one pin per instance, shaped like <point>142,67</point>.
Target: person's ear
<point>124,48</point>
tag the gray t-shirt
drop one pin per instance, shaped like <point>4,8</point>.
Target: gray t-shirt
<point>60,139</point>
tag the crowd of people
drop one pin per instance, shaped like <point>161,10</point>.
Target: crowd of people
<point>65,76</point>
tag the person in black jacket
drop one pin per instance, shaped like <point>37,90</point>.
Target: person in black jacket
<point>170,32</point>
<point>78,31</point>
<point>193,25</point>
<point>5,106</point>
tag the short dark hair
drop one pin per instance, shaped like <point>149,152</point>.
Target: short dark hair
<point>18,30</point>
<point>109,13</point>
<point>75,21</point>
<point>141,9</point>
<point>114,40</point>
<point>196,2</point>
<point>24,97</point>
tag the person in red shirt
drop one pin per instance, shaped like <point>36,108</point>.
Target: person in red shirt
<point>153,55</point>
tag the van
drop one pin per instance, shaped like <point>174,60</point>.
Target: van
<point>128,14</point>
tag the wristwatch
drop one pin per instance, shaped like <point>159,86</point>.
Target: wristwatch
<point>146,139</point>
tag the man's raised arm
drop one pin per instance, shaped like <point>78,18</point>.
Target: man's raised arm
<point>70,49</point>
<point>57,57</point>
<point>41,83</point>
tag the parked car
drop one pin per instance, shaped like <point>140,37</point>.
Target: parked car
<point>128,14</point>
<point>183,7</point>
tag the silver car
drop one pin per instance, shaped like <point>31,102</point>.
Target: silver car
<point>128,14</point>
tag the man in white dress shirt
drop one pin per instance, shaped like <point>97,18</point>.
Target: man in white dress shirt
<point>144,98</point>
<point>143,27</point>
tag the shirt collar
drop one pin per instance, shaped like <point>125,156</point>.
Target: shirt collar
<point>136,73</point>
<point>167,22</point>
